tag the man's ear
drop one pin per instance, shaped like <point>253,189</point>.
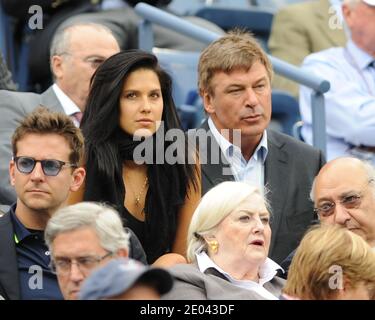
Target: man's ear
<point>207,102</point>
<point>12,168</point>
<point>78,177</point>
<point>57,66</point>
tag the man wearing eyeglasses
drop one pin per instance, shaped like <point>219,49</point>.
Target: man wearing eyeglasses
<point>47,148</point>
<point>81,238</point>
<point>344,193</point>
<point>76,52</point>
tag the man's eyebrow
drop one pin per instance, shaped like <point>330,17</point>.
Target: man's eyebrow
<point>264,78</point>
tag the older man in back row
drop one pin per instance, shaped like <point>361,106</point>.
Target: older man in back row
<point>350,103</point>
<point>76,52</point>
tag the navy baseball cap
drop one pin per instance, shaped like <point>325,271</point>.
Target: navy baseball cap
<point>119,275</point>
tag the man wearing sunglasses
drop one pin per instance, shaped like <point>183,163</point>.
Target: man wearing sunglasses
<point>47,148</point>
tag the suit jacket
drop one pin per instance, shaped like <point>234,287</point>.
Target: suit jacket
<point>301,29</point>
<point>191,284</point>
<point>9,278</point>
<point>290,168</point>
<point>14,106</point>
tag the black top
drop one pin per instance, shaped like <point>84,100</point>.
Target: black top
<point>33,259</point>
<point>135,225</point>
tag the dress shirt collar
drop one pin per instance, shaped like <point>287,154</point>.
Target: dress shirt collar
<point>68,105</point>
<point>266,272</point>
<point>260,152</point>
<point>361,58</point>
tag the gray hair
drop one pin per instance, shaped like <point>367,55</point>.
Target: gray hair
<point>61,40</point>
<point>367,167</point>
<point>215,206</point>
<point>104,220</point>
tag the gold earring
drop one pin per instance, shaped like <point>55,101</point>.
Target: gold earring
<point>214,245</point>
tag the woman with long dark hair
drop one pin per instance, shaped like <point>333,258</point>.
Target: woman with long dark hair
<point>130,105</point>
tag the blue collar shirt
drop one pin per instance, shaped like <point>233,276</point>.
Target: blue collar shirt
<point>37,282</point>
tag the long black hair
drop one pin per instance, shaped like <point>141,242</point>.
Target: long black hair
<point>104,140</point>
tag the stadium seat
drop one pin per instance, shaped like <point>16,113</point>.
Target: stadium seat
<point>258,21</point>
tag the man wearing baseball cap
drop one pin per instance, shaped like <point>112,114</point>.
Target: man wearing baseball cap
<point>126,279</point>
<point>350,103</point>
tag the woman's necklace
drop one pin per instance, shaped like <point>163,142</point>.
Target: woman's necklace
<point>139,195</point>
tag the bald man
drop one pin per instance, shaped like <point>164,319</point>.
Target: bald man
<point>343,193</point>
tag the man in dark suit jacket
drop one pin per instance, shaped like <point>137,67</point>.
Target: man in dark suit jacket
<point>76,52</point>
<point>234,82</point>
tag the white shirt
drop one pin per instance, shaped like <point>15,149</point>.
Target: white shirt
<point>266,273</point>
<point>251,171</point>
<point>68,105</point>
<point>349,104</point>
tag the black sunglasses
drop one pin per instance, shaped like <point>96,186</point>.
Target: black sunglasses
<point>50,167</point>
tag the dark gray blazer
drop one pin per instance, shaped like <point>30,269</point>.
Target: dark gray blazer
<point>290,168</point>
<point>191,284</point>
<point>14,106</point>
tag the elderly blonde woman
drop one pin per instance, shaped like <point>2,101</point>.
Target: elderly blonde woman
<point>331,262</point>
<point>228,243</point>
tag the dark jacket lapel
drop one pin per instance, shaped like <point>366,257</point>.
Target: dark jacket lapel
<point>9,279</point>
<point>215,169</point>
<point>276,181</point>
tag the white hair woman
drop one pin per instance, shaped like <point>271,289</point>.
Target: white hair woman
<point>228,242</point>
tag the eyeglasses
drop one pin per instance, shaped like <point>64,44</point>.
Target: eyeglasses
<point>50,167</point>
<point>63,266</point>
<point>349,201</point>
<point>93,61</point>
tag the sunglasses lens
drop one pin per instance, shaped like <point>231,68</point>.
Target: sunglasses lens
<point>25,165</point>
<point>51,167</point>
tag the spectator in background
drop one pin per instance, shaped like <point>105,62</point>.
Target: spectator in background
<point>350,103</point>
<point>6,82</point>
<point>120,18</point>
<point>228,242</point>
<point>126,279</point>
<point>76,52</point>
<point>301,29</point>
<point>39,40</point>
<point>331,263</point>
<point>235,84</point>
